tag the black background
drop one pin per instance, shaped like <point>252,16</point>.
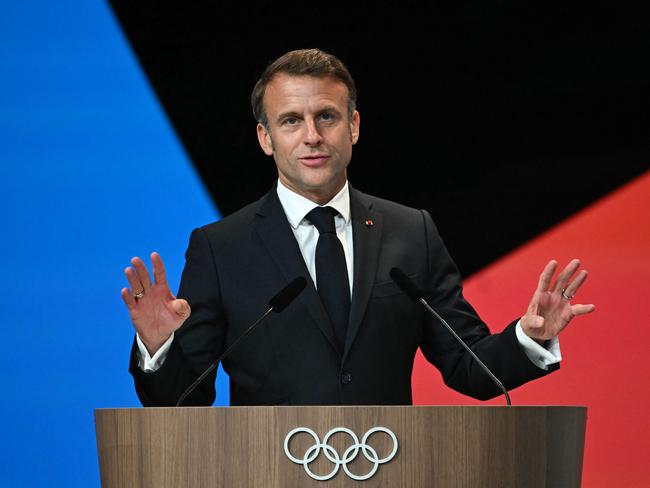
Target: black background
<point>500,118</point>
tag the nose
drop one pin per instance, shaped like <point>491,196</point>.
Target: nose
<point>312,136</point>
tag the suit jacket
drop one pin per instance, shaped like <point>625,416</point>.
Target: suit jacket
<point>235,265</point>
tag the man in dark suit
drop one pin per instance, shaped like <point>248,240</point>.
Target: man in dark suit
<point>351,336</point>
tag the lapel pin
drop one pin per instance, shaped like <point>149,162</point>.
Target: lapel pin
<point>369,223</point>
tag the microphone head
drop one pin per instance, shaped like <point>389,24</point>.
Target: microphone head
<point>406,284</point>
<point>285,296</point>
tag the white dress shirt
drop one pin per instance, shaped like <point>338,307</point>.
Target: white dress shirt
<point>296,207</point>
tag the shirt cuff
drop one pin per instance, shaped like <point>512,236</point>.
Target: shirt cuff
<point>540,356</point>
<point>150,364</point>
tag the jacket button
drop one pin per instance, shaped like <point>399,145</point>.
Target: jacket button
<point>346,378</point>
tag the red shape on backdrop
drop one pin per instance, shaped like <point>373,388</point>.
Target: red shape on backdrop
<point>605,354</point>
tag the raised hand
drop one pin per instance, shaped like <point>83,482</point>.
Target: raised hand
<point>154,310</point>
<point>550,309</point>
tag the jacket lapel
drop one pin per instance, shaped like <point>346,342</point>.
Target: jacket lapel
<point>275,232</point>
<point>366,235</point>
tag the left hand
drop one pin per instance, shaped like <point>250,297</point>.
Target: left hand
<point>550,309</point>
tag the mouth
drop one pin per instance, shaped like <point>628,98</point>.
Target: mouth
<point>314,160</point>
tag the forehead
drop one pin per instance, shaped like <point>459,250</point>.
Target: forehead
<point>287,92</point>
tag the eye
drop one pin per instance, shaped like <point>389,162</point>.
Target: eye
<point>290,121</point>
<point>327,116</point>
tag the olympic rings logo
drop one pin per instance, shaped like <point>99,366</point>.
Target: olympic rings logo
<point>332,455</point>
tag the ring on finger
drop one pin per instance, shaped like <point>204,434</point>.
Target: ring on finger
<point>139,295</point>
<point>565,296</point>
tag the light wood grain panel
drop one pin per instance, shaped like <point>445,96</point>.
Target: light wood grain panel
<point>464,447</point>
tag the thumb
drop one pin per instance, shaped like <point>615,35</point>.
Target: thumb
<point>181,308</point>
<point>532,325</point>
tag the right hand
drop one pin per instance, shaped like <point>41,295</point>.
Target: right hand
<point>158,313</point>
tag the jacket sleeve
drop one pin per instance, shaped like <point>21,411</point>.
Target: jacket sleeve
<point>501,352</point>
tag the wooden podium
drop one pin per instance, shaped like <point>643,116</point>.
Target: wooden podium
<point>445,447</point>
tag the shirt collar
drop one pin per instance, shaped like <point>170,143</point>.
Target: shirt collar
<point>296,206</point>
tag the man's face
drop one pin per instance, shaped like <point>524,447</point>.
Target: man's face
<point>311,135</point>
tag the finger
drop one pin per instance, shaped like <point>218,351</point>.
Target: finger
<point>582,309</point>
<point>545,278</point>
<point>566,274</point>
<point>142,271</point>
<point>159,273</point>
<point>134,281</point>
<point>128,298</point>
<point>575,284</point>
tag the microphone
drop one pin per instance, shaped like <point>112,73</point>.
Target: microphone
<point>285,296</point>
<point>276,304</point>
<point>417,295</point>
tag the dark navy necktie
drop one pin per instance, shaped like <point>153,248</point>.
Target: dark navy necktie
<point>331,271</point>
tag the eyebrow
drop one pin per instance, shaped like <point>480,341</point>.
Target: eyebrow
<point>285,115</point>
<point>297,115</point>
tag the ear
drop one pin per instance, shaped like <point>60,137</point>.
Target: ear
<point>354,127</point>
<point>264,138</point>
